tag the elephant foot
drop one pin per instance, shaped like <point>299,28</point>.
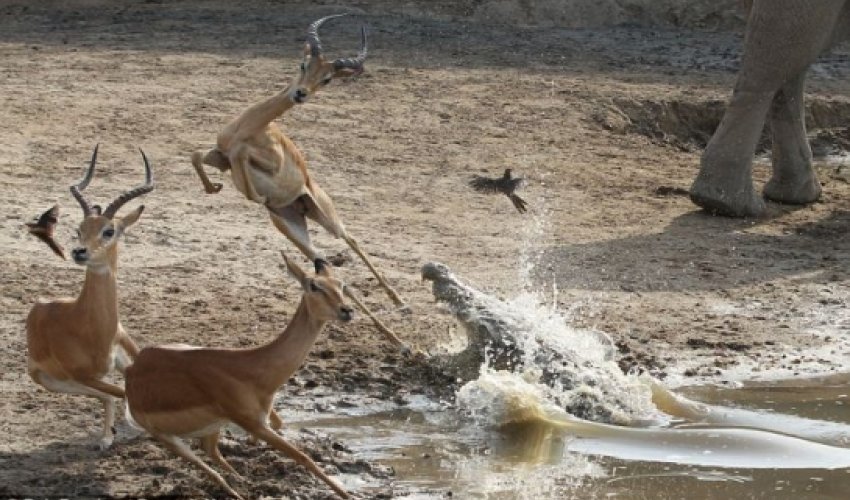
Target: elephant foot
<point>798,190</point>
<point>727,198</point>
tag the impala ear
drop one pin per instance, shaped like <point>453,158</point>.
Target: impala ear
<point>131,218</point>
<point>295,270</point>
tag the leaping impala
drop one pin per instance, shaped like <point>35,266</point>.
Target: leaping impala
<point>269,169</point>
<point>180,391</point>
<point>73,343</point>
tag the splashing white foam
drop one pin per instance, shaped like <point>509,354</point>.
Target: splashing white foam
<point>587,378</point>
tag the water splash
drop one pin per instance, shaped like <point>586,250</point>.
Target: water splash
<point>560,368</point>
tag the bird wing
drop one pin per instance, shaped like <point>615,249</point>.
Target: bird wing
<point>484,184</point>
<point>42,229</point>
<point>520,204</point>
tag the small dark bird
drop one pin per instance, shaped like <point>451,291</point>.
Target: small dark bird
<point>43,226</point>
<point>504,184</point>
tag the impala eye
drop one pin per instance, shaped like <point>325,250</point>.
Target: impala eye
<point>108,233</point>
<point>326,81</point>
<point>314,287</point>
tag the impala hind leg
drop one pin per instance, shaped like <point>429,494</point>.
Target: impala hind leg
<point>280,444</point>
<point>126,352</point>
<point>209,444</point>
<point>378,323</point>
<point>319,207</point>
<point>214,158</point>
<point>291,222</point>
<point>390,291</point>
<point>275,422</point>
<point>181,449</point>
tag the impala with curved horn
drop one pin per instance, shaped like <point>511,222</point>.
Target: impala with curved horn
<point>269,169</point>
<point>73,343</point>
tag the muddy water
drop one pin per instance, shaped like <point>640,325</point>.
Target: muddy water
<point>435,453</point>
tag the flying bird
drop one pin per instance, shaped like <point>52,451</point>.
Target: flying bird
<point>42,228</point>
<point>504,184</point>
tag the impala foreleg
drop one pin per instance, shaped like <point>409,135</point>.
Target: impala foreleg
<point>103,391</point>
<point>180,448</point>
<point>274,440</point>
<point>108,433</point>
<point>210,158</point>
<point>390,291</point>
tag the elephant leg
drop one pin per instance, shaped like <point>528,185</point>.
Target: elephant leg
<point>783,38</point>
<point>794,180</point>
<point>724,184</point>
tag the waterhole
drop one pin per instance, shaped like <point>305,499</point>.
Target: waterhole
<point>437,454</point>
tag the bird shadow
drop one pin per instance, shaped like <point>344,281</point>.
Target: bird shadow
<point>698,251</point>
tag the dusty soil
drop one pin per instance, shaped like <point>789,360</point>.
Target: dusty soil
<point>605,124</point>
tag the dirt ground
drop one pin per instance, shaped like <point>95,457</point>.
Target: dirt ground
<point>606,124</point>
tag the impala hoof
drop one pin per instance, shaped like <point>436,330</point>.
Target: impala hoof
<point>214,188</point>
<point>104,443</point>
<point>414,354</point>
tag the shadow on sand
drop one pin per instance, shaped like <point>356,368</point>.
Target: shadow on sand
<point>680,258</point>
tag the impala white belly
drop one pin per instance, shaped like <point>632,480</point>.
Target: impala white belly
<point>188,423</point>
<point>206,430</point>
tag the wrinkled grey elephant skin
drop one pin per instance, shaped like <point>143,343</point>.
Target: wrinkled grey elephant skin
<point>496,336</point>
<point>783,38</point>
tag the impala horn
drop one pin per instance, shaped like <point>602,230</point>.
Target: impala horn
<point>315,44</point>
<point>145,188</point>
<point>78,188</point>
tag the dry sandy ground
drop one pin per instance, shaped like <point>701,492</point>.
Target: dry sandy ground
<point>606,125</point>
